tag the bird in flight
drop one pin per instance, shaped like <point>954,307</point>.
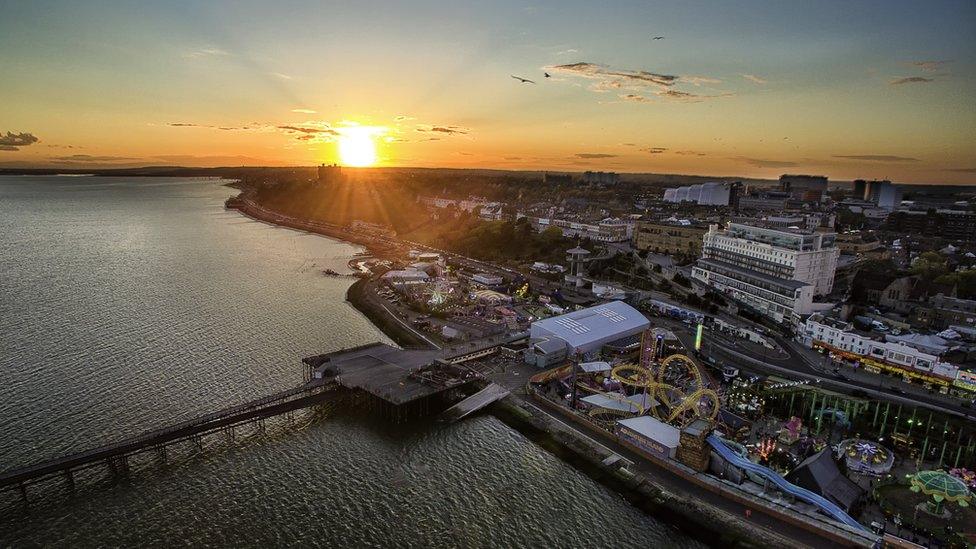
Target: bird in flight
<point>522,80</point>
<point>658,38</point>
<point>547,74</point>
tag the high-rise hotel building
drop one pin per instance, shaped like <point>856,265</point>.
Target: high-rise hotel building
<point>776,272</point>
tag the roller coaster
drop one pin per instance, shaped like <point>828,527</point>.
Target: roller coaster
<point>676,384</point>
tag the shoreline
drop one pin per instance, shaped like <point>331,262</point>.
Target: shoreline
<point>688,514</point>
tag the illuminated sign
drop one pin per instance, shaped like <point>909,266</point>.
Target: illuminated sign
<point>698,338</point>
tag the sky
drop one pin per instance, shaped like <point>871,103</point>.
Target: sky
<point>847,89</point>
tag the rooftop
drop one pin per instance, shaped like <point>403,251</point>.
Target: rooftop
<point>594,323</point>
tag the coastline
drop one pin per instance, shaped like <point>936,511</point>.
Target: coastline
<point>689,514</point>
<point>356,294</point>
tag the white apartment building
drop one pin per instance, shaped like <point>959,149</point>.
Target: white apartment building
<point>840,338</point>
<point>777,272</point>
<point>608,230</point>
<point>706,194</point>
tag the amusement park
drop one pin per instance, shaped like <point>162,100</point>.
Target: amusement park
<point>858,468</point>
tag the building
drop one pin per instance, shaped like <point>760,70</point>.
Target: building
<point>556,179</point>
<point>819,474</point>
<point>669,237</point>
<point>601,178</point>
<point>882,193</point>
<point>948,224</point>
<point>764,201</point>
<point>706,194</point>
<point>895,357</point>
<point>808,188</point>
<point>485,280</point>
<point>587,330</point>
<point>776,272</point>
<point>862,245</point>
<point>607,230</point>
<point>329,174</point>
<point>650,435</point>
<point>860,186</point>
<point>576,258</point>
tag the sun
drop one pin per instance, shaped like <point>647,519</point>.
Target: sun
<point>356,146</point>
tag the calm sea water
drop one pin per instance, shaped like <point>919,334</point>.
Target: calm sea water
<point>126,304</point>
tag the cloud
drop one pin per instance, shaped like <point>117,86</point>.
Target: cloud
<point>281,75</point>
<point>638,86</point>
<point>672,95</point>
<point>911,80</point>
<point>699,80</point>
<point>762,163</point>
<point>876,157</point>
<point>206,52</point>
<point>594,155</point>
<point>14,141</point>
<point>90,158</point>
<point>403,118</point>
<point>654,150</point>
<point>513,158</point>
<point>442,129</point>
<point>754,79</point>
<point>961,170</point>
<point>309,130</point>
<point>689,153</point>
<point>628,144</point>
<point>592,70</point>
<point>565,52</point>
<point>929,66</point>
<point>303,111</point>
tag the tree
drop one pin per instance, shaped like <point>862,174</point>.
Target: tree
<point>929,266</point>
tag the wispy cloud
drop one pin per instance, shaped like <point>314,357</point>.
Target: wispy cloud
<point>281,75</point>
<point>876,157</point>
<point>595,155</point>
<point>638,86</point>
<point>91,158</point>
<point>426,128</point>
<point>689,153</point>
<point>764,163</point>
<point>654,150</point>
<point>911,80</point>
<point>754,79</point>
<point>303,111</point>
<point>929,66</point>
<point>206,52</point>
<point>592,70</point>
<point>567,51</point>
<point>14,141</point>
<point>699,80</point>
<point>961,170</point>
<point>309,129</point>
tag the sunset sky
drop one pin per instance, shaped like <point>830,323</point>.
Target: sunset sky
<point>849,89</point>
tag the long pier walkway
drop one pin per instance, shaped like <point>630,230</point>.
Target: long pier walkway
<point>116,455</point>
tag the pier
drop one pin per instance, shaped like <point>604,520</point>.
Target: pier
<point>115,456</point>
<point>399,384</point>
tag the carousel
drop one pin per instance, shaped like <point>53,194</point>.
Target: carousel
<point>866,457</point>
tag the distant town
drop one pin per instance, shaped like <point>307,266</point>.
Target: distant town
<point>801,349</point>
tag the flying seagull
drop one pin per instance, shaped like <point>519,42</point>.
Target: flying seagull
<point>658,38</point>
<point>547,74</point>
<point>522,80</point>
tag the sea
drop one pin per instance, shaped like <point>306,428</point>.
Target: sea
<point>130,303</point>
